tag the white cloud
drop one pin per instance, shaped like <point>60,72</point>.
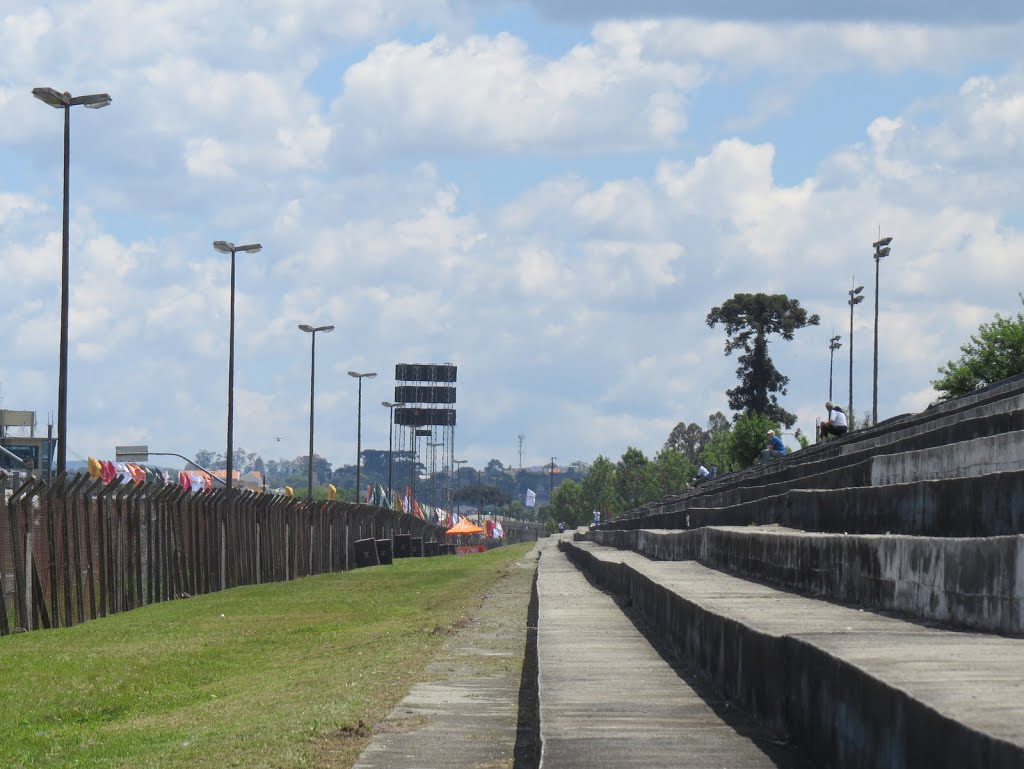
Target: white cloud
<point>492,93</point>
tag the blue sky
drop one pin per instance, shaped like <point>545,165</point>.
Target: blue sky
<point>551,195</point>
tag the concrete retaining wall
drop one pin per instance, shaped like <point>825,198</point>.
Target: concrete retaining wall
<point>969,583</point>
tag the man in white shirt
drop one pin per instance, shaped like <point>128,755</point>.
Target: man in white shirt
<point>836,424</point>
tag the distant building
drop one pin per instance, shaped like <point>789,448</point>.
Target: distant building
<point>22,450</point>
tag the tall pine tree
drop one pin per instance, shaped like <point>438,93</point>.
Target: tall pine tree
<point>749,320</point>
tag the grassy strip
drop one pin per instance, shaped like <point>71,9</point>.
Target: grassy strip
<point>257,676</point>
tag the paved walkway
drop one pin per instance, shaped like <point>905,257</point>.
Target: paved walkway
<point>467,716</point>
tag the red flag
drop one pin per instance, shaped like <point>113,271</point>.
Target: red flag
<point>416,509</point>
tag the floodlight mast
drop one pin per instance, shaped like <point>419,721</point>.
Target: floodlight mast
<point>226,247</point>
<point>65,101</point>
<point>882,250</point>
<point>855,299</point>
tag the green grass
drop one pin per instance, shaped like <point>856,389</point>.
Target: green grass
<point>283,675</point>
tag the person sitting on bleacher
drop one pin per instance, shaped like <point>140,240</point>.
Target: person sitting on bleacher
<point>836,424</point>
<point>776,448</point>
<point>703,474</point>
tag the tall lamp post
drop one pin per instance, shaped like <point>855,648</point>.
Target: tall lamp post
<point>230,248</point>
<point>311,330</point>
<point>65,101</point>
<point>882,249</point>
<point>855,299</point>
<point>359,424</point>
<point>433,470</point>
<point>551,482</point>
<point>833,345</point>
<point>458,482</point>
<point>391,431</point>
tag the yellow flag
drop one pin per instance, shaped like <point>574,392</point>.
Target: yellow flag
<point>289,491</point>
<point>331,491</point>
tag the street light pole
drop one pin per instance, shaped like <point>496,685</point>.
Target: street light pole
<point>230,248</point>
<point>312,378</point>
<point>65,101</point>
<point>433,470</point>
<point>833,345</point>
<point>882,249</point>
<point>458,480</point>
<point>551,484</point>
<point>391,430</point>
<point>359,424</point>
<point>855,299</point>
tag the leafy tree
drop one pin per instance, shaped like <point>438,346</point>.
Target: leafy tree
<point>717,422</point>
<point>569,504</point>
<point>749,319</point>
<point>995,352</point>
<point>690,439</point>
<point>206,458</point>
<point>600,490</point>
<point>633,479</point>
<point>670,472</point>
<point>740,447</point>
<point>750,438</point>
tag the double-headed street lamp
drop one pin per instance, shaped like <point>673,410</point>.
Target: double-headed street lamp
<point>312,330</point>
<point>230,248</point>
<point>833,345</point>
<point>359,423</point>
<point>65,101</point>
<point>391,431</point>
<point>882,249</point>
<point>855,299</point>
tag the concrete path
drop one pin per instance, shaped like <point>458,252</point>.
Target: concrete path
<point>467,716</point>
<point>609,699</point>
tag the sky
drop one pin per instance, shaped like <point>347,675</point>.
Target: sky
<point>550,194</point>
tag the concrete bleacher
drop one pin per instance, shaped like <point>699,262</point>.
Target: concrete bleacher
<point>850,688</point>
<point>862,599</point>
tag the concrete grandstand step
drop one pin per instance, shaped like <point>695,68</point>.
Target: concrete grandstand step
<point>853,688</point>
<point>608,699</point>
<point>981,456</point>
<point>982,445</point>
<point>845,462</point>
<point>984,506</point>
<point>973,583</point>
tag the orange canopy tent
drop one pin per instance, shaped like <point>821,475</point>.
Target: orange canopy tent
<point>465,526</point>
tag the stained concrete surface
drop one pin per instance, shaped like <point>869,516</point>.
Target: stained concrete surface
<point>609,699</point>
<point>466,716</point>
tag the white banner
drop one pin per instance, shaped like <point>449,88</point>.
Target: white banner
<point>531,498</point>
